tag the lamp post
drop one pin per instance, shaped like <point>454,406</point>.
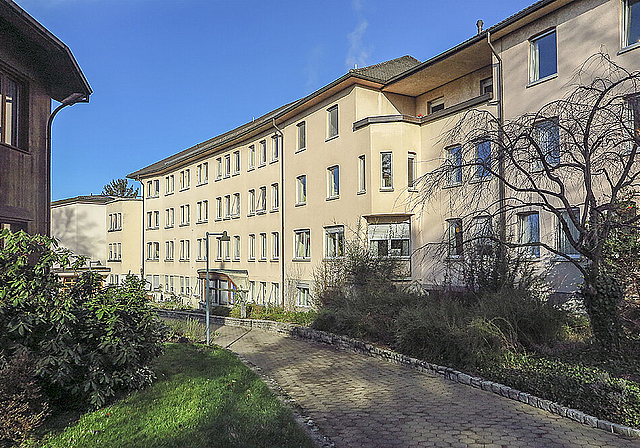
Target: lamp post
<point>222,236</point>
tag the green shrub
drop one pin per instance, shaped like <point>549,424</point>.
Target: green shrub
<point>22,404</point>
<point>88,343</point>
<point>274,313</point>
<point>191,329</point>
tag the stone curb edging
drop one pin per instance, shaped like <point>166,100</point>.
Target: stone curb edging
<point>357,346</point>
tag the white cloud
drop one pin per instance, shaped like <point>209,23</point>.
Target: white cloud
<point>358,52</point>
<point>312,68</point>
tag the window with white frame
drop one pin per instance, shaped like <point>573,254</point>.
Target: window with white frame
<point>226,250</point>
<point>227,165</point>
<point>219,168</point>
<point>115,222</point>
<point>483,159</point>
<point>185,250</point>
<point>263,293</point>
<point>362,174</point>
<point>386,171</point>
<point>303,297</point>
<point>252,202</point>
<point>632,122</point>
<point>529,233</point>
<point>219,251</point>
<point>302,136</point>
<point>332,121</point>
<point>252,291</point>
<point>252,157</point>
<point>171,283</point>
<point>333,182</point>
<point>252,247</point>
<point>411,170</point>
<point>169,217</point>
<point>168,250</point>
<point>263,246</point>
<point>543,58</point>
<point>486,86</point>
<point>482,234</point>
<point>301,190</point>
<point>631,22</point>
<point>275,148</point>
<point>203,211</point>
<point>302,244</point>
<point>275,293</point>
<point>275,245</point>
<point>201,244</point>
<point>455,237</point>
<point>185,214</point>
<point>236,162</point>
<point>334,241</point>
<point>435,105</point>
<point>153,219</point>
<point>275,197</point>
<point>262,200</point>
<point>153,250</point>
<point>235,208</point>
<point>169,184</point>
<point>546,134</point>
<point>390,240</point>
<point>13,108</point>
<point>563,243</point>
<point>227,207</point>
<point>218,208</point>
<point>454,165</point>
<point>236,247</point>
<point>263,152</point>
<point>203,173</point>
<point>153,188</point>
<point>185,179</point>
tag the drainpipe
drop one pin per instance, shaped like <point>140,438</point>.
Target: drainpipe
<point>500,103</point>
<point>68,101</point>
<point>142,230</point>
<point>281,192</point>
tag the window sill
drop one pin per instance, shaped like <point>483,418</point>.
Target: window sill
<point>114,261</point>
<point>15,148</point>
<point>203,183</point>
<point>333,137</point>
<point>202,222</point>
<point>332,198</point>
<point>114,230</point>
<point>251,168</point>
<point>183,189</point>
<point>304,260</point>
<point>412,190</point>
<point>168,227</point>
<point>541,80</point>
<point>153,197</point>
<point>362,192</point>
<point>262,260</point>
<point>275,260</point>
<point>218,219</point>
<point>262,164</point>
<point>153,228</point>
<point>560,259</point>
<point>628,48</point>
<point>300,150</point>
<point>260,212</point>
<point>251,259</point>
<point>218,179</point>
<point>452,185</point>
<point>250,214</point>
<point>274,161</point>
<point>184,225</point>
<point>237,173</point>
<point>227,176</point>
<point>235,217</point>
<point>169,194</point>
<point>300,204</point>
<point>154,260</point>
<point>235,260</point>
<point>166,260</point>
<point>477,180</point>
<point>226,218</point>
<point>274,210</point>
<point>383,190</point>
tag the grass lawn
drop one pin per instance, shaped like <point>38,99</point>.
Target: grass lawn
<point>204,397</point>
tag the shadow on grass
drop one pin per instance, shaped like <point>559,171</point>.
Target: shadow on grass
<point>203,398</point>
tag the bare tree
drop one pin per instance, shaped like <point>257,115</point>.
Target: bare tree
<point>120,188</point>
<point>575,159</point>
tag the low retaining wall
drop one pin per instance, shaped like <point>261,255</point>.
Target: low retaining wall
<point>357,346</point>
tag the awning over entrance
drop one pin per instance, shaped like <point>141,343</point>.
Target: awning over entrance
<point>226,286</point>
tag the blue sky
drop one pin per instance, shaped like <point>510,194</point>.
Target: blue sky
<point>168,74</point>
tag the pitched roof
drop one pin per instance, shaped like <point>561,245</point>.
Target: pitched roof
<point>93,199</point>
<point>384,71</point>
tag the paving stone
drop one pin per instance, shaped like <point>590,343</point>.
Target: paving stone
<point>359,401</point>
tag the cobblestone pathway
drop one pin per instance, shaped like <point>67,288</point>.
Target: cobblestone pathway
<point>358,401</point>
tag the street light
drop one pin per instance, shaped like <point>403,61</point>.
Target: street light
<point>222,236</point>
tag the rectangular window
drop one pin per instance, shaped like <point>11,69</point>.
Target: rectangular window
<point>275,148</point>
<point>482,234</point>
<point>275,197</point>
<point>435,105</point>
<point>262,200</point>
<point>546,134</point>
<point>390,239</point>
<point>486,86</point>
<point>153,251</point>
<point>252,291</point>
<point>202,249</point>
<point>275,293</point>
<point>362,176</point>
<point>333,182</point>
<point>275,245</point>
<point>119,251</point>
<point>236,162</point>
<point>563,244</point>
<point>252,247</point>
<point>252,202</point>
<point>301,183</point>
<point>263,152</point>
<point>169,215</point>
<point>263,292</point>
<point>332,121</point>
<point>236,248</point>
<point>454,162</point>
<point>455,239</point>
<point>386,171</point>
<point>227,165</point>
<point>226,250</point>
<point>529,233</point>
<point>12,128</point>
<point>218,208</point>
<point>185,250</point>
<point>411,170</point>
<point>543,57</point>
<point>483,159</point>
<point>219,252</point>
<point>169,184</point>
<point>632,122</point>
<point>252,157</point>
<point>302,136</point>
<point>219,168</point>
<point>236,205</point>
<point>631,22</point>
<point>227,207</point>
<point>302,296</point>
<point>185,215</point>
<point>334,241</point>
<point>203,173</point>
<point>263,246</point>
<point>185,179</point>
<point>168,249</point>
<point>302,244</point>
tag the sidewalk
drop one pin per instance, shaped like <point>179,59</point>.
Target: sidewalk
<point>359,401</point>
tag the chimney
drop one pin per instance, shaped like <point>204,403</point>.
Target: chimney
<point>479,25</point>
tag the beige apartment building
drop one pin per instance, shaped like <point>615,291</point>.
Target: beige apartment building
<point>291,186</point>
<point>123,224</point>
